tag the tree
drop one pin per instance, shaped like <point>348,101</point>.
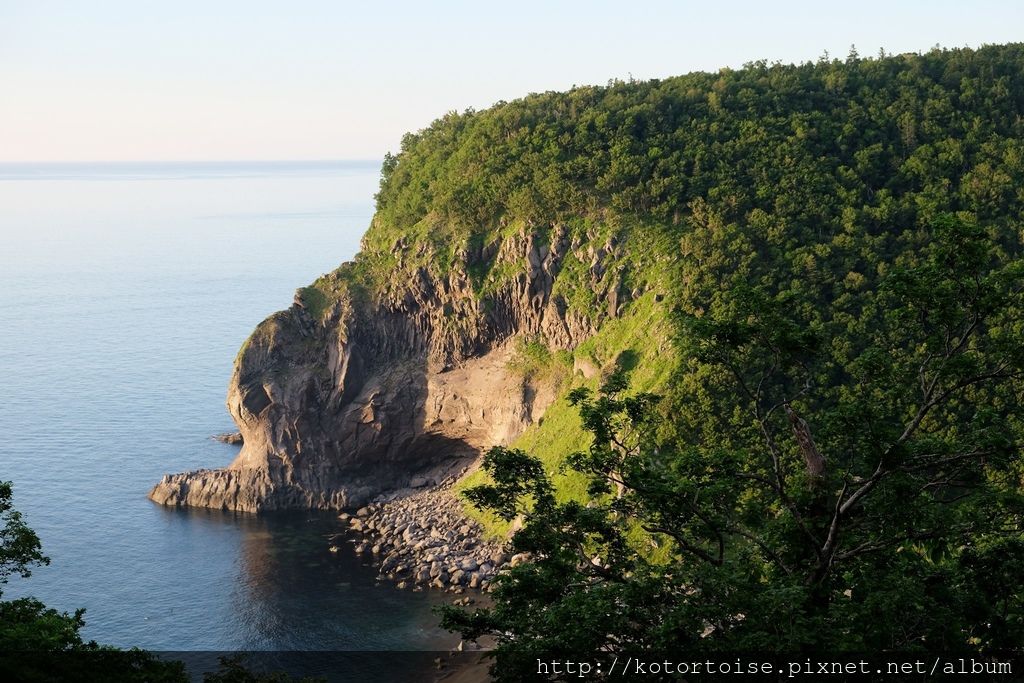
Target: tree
<point>848,480</point>
<point>20,549</point>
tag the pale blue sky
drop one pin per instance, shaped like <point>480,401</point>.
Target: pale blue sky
<point>314,79</point>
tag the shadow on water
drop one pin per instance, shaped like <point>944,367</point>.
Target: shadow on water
<point>313,611</point>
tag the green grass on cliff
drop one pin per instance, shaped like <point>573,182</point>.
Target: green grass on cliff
<point>535,362</point>
<point>638,341</point>
<point>314,300</point>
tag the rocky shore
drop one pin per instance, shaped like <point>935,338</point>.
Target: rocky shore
<point>425,540</point>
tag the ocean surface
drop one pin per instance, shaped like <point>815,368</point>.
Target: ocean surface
<point>125,292</point>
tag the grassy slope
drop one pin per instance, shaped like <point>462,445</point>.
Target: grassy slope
<point>639,341</point>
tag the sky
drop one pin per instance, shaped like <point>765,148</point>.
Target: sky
<point>129,80</point>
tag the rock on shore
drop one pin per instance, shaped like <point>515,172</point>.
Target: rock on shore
<point>425,540</point>
<point>230,438</point>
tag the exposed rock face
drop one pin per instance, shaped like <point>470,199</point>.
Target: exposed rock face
<point>335,406</point>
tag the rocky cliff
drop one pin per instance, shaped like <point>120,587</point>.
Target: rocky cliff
<point>379,381</point>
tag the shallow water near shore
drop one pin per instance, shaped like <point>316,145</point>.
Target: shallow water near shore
<point>125,293</point>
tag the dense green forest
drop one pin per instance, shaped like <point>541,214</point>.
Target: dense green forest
<point>801,157</point>
<point>835,461</point>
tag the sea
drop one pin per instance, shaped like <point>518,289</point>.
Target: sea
<point>126,290</point>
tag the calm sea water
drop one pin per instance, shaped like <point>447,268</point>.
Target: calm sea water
<point>125,292</point>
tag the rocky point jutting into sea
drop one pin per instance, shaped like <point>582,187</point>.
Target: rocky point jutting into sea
<point>341,402</point>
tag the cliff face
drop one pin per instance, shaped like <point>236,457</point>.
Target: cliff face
<point>340,398</point>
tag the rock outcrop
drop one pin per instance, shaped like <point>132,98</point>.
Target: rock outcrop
<point>340,398</point>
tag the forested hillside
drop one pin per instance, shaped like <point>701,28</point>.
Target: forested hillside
<point>799,157</point>
<point>833,459</point>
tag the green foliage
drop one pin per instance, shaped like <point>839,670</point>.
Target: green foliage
<point>640,338</point>
<point>313,300</point>
<point>516,476</point>
<point>535,361</point>
<point>30,625</point>
<point>800,140</point>
<point>20,549</point>
<point>830,476</point>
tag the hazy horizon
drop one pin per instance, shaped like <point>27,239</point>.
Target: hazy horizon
<point>316,80</point>
<point>84,162</point>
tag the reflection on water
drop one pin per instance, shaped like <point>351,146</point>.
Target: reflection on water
<point>291,593</point>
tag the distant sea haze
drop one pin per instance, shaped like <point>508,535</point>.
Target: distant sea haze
<point>126,290</point>
<point>153,170</point>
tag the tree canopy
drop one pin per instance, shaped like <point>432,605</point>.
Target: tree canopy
<point>798,143</point>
